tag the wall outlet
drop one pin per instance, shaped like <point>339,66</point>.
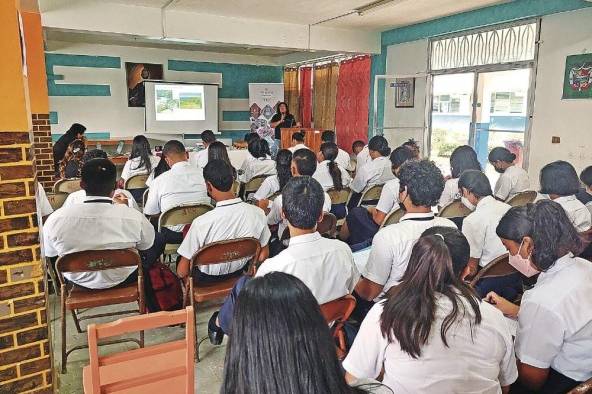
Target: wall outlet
<point>555,140</point>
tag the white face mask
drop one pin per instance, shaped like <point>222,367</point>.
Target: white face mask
<point>523,265</point>
<point>465,201</point>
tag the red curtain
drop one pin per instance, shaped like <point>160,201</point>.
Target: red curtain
<point>305,96</point>
<point>351,111</point>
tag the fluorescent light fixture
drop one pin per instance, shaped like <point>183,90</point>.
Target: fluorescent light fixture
<point>374,6</point>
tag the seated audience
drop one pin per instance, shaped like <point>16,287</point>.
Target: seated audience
<point>362,155</point>
<point>217,151</point>
<point>278,311</point>
<point>75,132</point>
<point>413,146</point>
<point>71,164</point>
<point>554,338</point>
<point>275,183</point>
<point>329,173</point>
<point>585,194</point>
<point>100,223</point>
<point>432,333</point>
<point>141,160</point>
<point>343,158</point>
<point>463,158</point>
<point>297,142</point>
<point>231,219</point>
<point>362,223</point>
<point>357,147</point>
<point>559,181</point>
<point>513,179</point>
<point>421,184</point>
<point>207,138</point>
<point>260,164</point>
<point>182,184</point>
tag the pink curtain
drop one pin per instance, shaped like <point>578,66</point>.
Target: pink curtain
<point>305,96</point>
<point>351,111</point>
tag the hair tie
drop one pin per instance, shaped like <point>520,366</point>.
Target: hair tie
<point>440,235</point>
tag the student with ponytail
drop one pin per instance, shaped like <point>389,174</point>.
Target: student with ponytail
<point>275,183</point>
<point>329,174</point>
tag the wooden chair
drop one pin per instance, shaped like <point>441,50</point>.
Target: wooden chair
<point>252,186</point>
<point>370,196</point>
<point>582,388</point>
<point>180,215</point>
<point>586,252</point>
<point>497,268</point>
<point>67,186</point>
<point>393,217</point>
<point>217,253</point>
<point>522,198</point>
<point>136,182</point>
<point>336,313</point>
<point>73,297</point>
<point>166,367</point>
<point>56,200</point>
<point>454,209</point>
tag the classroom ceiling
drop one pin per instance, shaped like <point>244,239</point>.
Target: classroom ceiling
<point>395,14</point>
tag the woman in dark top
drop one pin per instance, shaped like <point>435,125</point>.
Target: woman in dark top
<point>75,132</point>
<point>282,119</point>
<point>71,164</point>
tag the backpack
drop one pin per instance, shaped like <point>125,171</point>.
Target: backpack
<point>163,289</point>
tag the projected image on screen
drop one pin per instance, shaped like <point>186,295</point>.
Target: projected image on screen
<point>179,102</point>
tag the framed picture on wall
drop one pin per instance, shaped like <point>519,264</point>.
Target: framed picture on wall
<point>577,82</point>
<point>404,92</point>
<point>136,74</point>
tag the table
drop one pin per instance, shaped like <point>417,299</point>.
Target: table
<point>236,156</point>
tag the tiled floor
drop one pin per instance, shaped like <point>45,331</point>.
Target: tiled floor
<point>208,372</point>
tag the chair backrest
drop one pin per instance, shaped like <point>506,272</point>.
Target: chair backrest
<point>183,214</point>
<point>582,388</point>
<point>226,251</point>
<point>145,197</point>
<point>338,310</point>
<point>496,268</point>
<point>274,196</point>
<point>97,332</point>
<point>522,198</point>
<point>235,187</point>
<point>68,186</point>
<point>56,200</point>
<point>372,194</point>
<point>586,237</point>
<point>455,209</point>
<point>393,217</point>
<point>327,227</point>
<point>136,182</point>
<point>253,185</point>
<point>339,196</point>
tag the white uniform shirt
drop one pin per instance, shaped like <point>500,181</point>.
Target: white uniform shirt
<point>376,172</point>
<point>476,361</point>
<point>450,192</point>
<point>323,176</point>
<point>96,226</point>
<point>392,245</point>
<point>275,213</point>
<point>43,206</point>
<point>298,146</point>
<point>183,183</point>
<point>270,185</point>
<point>201,158</point>
<point>79,196</point>
<point>253,167</point>
<point>389,197</point>
<point>363,158</point>
<point>132,167</point>
<point>326,266</point>
<point>577,212</point>
<point>511,182</point>
<point>231,219</point>
<point>555,320</point>
<point>479,229</point>
<point>344,160</point>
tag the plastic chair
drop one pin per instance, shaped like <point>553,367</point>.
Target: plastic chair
<point>217,253</point>
<point>67,186</point>
<point>56,200</point>
<point>522,198</point>
<point>252,186</point>
<point>181,215</point>
<point>163,368</point>
<point>497,268</point>
<point>455,209</point>
<point>370,196</point>
<point>136,182</point>
<point>73,297</point>
<point>393,217</point>
<point>582,388</point>
<point>337,312</point>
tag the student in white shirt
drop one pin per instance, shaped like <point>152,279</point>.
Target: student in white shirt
<point>325,265</point>
<point>559,181</point>
<point>329,173</point>
<point>297,142</point>
<point>376,172</point>
<point>554,338</point>
<point>275,183</point>
<point>513,179</point>
<point>44,208</point>
<point>120,196</point>
<point>261,163</point>
<point>141,160</point>
<point>432,333</point>
<point>362,223</point>
<point>363,155</point>
<point>463,158</point>
<point>343,158</point>
<point>585,194</point>
<point>100,223</point>
<point>231,219</point>
<point>182,184</point>
<point>421,184</point>
<point>207,138</point>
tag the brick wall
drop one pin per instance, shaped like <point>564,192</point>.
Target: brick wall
<point>43,150</point>
<point>25,361</point>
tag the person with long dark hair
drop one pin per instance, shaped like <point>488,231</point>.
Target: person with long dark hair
<point>71,164</point>
<point>432,333</point>
<point>585,193</point>
<point>278,319</point>
<point>554,337</point>
<point>463,158</point>
<point>343,158</point>
<point>207,138</point>
<point>262,163</point>
<point>141,161</point>
<point>75,132</point>
<point>275,183</point>
<point>282,119</point>
<point>513,179</point>
<point>330,174</point>
<point>217,151</point>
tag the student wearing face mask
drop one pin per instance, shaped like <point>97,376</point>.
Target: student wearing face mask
<point>513,179</point>
<point>554,338</point>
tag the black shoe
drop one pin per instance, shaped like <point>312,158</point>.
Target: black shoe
<point>215,333</point>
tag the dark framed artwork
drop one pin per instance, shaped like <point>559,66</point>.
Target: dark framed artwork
<point>577,82</point>
<point>404,92</point>
<point>136,74</point>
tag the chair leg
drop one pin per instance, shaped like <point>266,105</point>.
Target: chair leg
<point>76,321</point>
<point>142,308</point>
<point>196,340</point>
<point>54,279</point>
<point>63,321</point>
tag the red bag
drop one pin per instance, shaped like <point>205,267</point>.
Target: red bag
<point>164,290</point>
